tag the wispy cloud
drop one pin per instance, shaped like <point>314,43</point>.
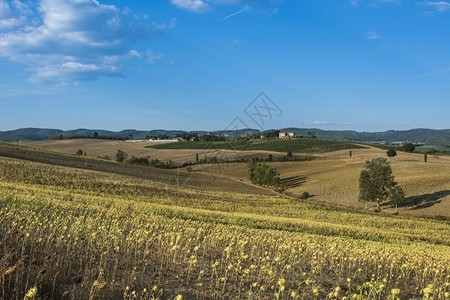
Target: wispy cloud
<point>71,40</point>
<point>153,58</point>
<point>378,3</point>
<point>371,35</point>
<point>324,123</point>
<point>317,122</point>
<point>439,6</point>
<point>197,6</point>
<point>269,7</point>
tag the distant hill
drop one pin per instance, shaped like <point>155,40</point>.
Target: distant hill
<point>426,136</point>
<point>420,135</point>
<point>38,134</point>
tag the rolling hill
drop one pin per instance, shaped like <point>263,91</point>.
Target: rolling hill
<point>419,135</point>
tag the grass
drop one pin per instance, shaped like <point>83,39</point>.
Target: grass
<point>285,145</point>
<point>81,234</point>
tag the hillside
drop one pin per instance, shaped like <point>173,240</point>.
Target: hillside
<point>91,234</point>
<point>278,145</point>
<point>37,134</point>
<point>426,136</point>
<point>194,180</point>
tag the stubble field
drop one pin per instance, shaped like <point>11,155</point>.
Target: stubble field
<point>70,233</point>
<point>332,177</point>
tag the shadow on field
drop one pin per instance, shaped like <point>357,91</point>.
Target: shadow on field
<point>294,181</point>
<point>426,200</point>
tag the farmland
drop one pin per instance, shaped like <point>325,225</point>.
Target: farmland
<point>101,235</point>
<point>332,177</point>
<point>293,145</point>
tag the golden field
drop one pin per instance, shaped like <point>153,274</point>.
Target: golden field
<point>106,148</point>
<point>71,233</point>
<point>332,178</point>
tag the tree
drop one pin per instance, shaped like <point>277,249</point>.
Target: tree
<point>408,147</point>
<point>311,134</point>
<point>262,174</point>
<point>397,195</point>
<point>196,157</point>
<point>121,155</point>
<point>95,135</point>
<point>350,153</point>
<point>376,181</point>
<point>270,156</point>
<point>391,153</point>
<point>425,157</point>
<point>289,154</point>
<point>79,152</point>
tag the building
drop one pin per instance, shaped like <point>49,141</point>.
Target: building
<point>286,135</point>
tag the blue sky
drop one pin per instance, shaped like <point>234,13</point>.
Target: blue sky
<point>366,65</point>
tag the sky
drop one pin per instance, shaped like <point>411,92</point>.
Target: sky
<point>365,65</point>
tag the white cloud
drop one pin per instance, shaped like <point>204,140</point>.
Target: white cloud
<point>202,6</point>
<point>437,5</point>
<point>153,58</point>
<point>191,5</point>
<point>317,122</point>
<point>5,11</point>
<point>325,123</point>
<point>64,40</point>
<point>371,35</point>
<point>73,71</point>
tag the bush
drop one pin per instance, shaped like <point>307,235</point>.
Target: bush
<point>121,155</point>
<point>79,152</point>
<point>391,153</point>
<point>408,147</point>
<point>143,161</point>
<point>305,195</point>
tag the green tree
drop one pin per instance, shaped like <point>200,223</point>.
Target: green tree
<point>262,174</point>
<point>408,147</point>
<point>95,135</point>
<point>397,195</point>
<point>289,154</point>
<point>376,181</point>
<point>121,155</point>
<point>270,156</point>
<point>79,152</point>
<point>391,153</point>
<point>311,134</point>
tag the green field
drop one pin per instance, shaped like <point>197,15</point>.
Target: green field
<point>436,150</point>
<point>71,233</point>
<point>294,145</point>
